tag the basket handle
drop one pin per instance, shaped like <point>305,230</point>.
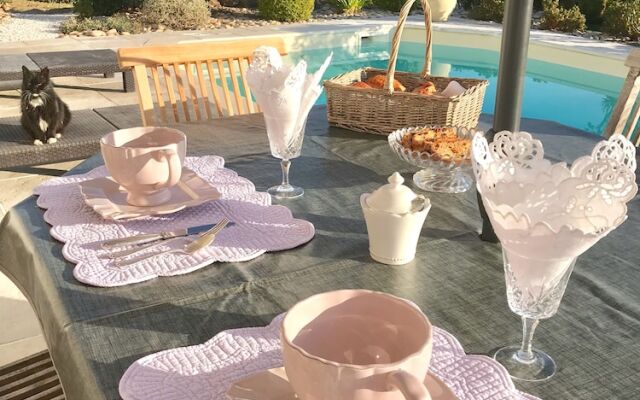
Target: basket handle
<point>395,43</point>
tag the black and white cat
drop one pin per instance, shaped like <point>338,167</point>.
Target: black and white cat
<point>44,115</point>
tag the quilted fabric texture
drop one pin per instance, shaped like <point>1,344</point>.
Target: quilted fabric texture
<point>258,227</point>
<point>206,371</point>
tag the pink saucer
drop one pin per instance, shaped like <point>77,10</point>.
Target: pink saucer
<point>273,384</point>
<point>109,199</point>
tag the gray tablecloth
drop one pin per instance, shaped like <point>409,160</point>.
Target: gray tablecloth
<point>95,333</point>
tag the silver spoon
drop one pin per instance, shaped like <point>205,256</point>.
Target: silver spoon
<point>191,247</point>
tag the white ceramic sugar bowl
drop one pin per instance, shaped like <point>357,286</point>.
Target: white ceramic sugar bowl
<point>394,215</point>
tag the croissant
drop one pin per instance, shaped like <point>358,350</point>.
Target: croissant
<point>378,82</point>
<point>361,85</point>
<point>427,89</point>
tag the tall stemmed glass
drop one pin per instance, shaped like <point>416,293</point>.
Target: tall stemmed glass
<point>535,287</point>
<point>546,215</point>
<point>285,95</point>
<point>286,148</point>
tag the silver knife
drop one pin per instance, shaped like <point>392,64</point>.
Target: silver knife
<point>152,237</point>
<point>197,243</point>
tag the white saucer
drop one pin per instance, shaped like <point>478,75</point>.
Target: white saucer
<point>109,199</point>
<point>274,385</point>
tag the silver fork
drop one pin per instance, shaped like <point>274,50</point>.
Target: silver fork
<point>191,247</point>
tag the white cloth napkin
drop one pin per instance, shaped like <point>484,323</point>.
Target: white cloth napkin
<point>453,89</point>
<point>284,93</point>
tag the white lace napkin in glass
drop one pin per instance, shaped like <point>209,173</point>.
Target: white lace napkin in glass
<point>549,211</point>
<point>258,227</point>
<point>207,371</point>
<point>284,93</point>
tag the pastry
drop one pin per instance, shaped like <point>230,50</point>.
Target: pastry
<point>361,85</point>
<point>427,89</point>
<point>378,81</point>
<point>419,142</point>
<point>442,150</point>
<point>441,143</point>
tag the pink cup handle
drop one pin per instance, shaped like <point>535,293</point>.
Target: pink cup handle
<point>175,164</point>
<point>409,385</point>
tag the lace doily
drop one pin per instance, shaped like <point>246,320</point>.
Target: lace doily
<point>518,184</point>
<point>258,227</point>
<point>206,371</point>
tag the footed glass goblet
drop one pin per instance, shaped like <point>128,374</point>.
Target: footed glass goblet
<point>451,175</point>
<point>534,290</point>
<point>285,147</point>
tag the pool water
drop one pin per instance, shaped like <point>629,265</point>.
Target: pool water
<point>570,96</point>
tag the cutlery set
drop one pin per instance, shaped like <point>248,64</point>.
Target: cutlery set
<point>196,238</point>
<point>137,187</point>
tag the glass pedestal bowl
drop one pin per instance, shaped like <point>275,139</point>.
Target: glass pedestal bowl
<point>449,174</point>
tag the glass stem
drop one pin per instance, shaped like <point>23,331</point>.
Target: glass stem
<point>285,164</point>
<point>528,328</point>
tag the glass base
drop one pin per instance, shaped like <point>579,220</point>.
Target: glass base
<point>540,368</point>
<point>445,181</point>
<point>285,191</point>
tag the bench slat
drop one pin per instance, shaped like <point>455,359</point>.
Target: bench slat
<point>33,378</point>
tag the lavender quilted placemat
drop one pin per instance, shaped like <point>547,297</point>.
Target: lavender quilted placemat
<point>206,371</point>
<point>258,227</point>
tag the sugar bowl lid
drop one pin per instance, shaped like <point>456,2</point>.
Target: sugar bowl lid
<point>393,197</point>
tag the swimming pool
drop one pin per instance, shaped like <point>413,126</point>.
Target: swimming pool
<point>570,96</point>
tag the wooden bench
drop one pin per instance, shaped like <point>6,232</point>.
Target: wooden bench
<point>64,63</point>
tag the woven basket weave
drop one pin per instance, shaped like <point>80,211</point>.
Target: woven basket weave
<point>383,111</point>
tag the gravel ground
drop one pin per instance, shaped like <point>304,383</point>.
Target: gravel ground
<point>24,26</point>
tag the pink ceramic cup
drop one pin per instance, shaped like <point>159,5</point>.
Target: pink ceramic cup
<point>146,161</point>
<point>356,345</point>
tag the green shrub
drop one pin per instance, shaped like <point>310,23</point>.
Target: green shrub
<point>487,10</point>
<point>592,9</point>
<point>118,22</point>
<point>562,19</point>
<point>286,10</point>
<point>622,18</point>
<point>90,8</point>
<point>72,24</point>
<point>350,7</point>
<point>176,14</point>
<point>390,5</point>
<point>123,24</point>
<point>83,7</point>
<point>238,3</point>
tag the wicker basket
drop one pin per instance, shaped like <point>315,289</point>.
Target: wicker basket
<point>383,111</point>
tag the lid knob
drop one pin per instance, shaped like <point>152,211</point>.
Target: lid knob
<point>393,197</point>
<point>395,180</point>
